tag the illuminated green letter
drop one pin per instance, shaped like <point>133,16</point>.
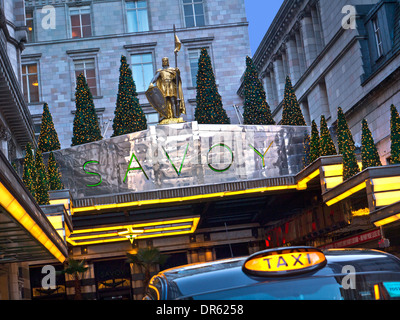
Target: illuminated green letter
<point>220,145</point>
<point>184,156</point>
<point>262,155</point>
<point>93,173</point>
<point>135,168</point>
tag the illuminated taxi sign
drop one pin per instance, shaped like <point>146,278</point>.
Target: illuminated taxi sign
<point>284,261</point>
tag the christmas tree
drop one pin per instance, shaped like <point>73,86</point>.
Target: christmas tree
<point>346,147</point>
<point>291,113</point>
<point>29,172</point>
<point>48,138</point>
<point>129,116</point>
<point>369,153</point>
<point>314,142</point>
<point>256,108</point>
<point>86,127</point>
<point>326,145</point>
<point>209,109</point>
<point>306,145</point>
<point>42,184</point>
<point>394,135</point>
<point>54,174</point>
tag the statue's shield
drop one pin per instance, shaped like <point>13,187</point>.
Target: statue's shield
<point>157,100</point>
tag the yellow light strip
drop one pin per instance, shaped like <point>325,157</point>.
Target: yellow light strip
<point>139,225</point>
<point>332,182</point>
<point>192,227</point>
<point>386,198</point>
<point>188,198</point>
<point>387,220</point>
<point>302,184</point>
<point>9,203</point>
<point>346,194</point>
<point>333,170</point>
<point>115,233</point>
<point>386,184</point>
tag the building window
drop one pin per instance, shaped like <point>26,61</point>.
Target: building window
<point>87,67</point>
<point>30,82</point>
<point>194,55</point>
<point>194,13</point>
<point>142,70</point>
<point>137,16</point>
<point>30,26</point>
<point>152,118</point>
<point>80,22</point>
<point>378,38</point>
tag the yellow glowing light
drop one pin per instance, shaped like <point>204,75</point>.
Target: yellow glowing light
<point>376,291</point>
<point>333,170</point>
<point>285,262</point>
<point>9,203</point>
<point>386,198</point>
<point>346,194</point>
<point>164,228</point>
<point>332,182</point>
<point>386,184</point>
<point>387,220</point>
<point>360,212</point>
<point>302,184</point>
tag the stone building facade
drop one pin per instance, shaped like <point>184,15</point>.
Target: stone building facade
<point>67,37</point>
<point>24,229</point>
<point>337,54</point>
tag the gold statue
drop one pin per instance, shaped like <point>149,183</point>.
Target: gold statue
<point>165,92</point>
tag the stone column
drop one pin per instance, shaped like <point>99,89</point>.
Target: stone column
<point>317,29</point>
<point>323,99</point>
<point>270,90</point>
<point>279,77</point>
<point>293,59</point>
<point>300,49</point>
<point>307,32</point>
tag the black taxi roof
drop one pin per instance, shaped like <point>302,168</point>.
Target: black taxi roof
<point>199,278</point>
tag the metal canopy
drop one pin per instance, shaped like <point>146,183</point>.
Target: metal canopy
<point>16,243</point>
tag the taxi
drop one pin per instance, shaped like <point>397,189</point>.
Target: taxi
<point>287,273</point>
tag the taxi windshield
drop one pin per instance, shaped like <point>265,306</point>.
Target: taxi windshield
<point>312,288</point>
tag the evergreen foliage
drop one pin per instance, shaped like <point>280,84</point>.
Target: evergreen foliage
<point>256,108</point>
<point>369,153</point>
<point>86,127</point>
<point>42,184</point>
<point>54,174</point>
<point>291,113</point>
<point>29,171</point>
<point>346,147</point>
<point>326,145</point>
<point>48,138</point>
<point>314,142</point>
<point>129,116</point>
<point>394,135</point>
<point>209,108</point>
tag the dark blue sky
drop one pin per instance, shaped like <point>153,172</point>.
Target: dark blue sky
<point>260,14</point>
